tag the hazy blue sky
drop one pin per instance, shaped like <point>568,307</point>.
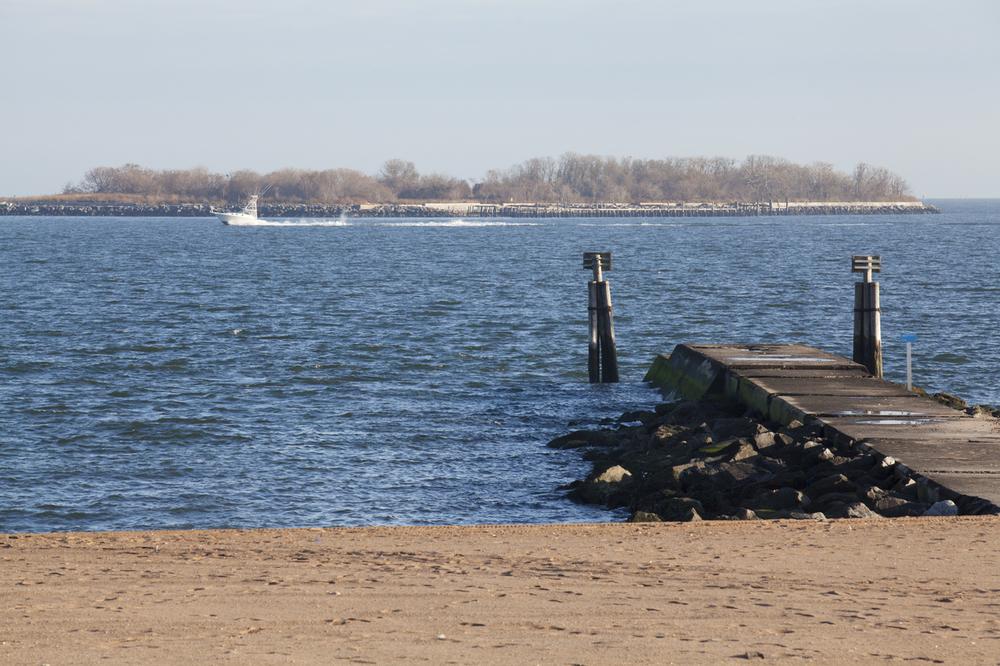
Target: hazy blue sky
<point>461,87</point>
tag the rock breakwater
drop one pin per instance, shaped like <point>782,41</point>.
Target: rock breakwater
<point>701,460</point>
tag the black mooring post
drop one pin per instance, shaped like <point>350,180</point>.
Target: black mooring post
<point>606,324</point>
<point>593,343</point>
<point>867,314</point>
<point>602,356</point>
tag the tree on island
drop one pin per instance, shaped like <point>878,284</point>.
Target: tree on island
<point>572,178</point>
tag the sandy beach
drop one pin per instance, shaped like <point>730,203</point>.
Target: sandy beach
<point>924,590</point>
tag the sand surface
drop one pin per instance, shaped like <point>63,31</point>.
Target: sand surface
<point>916,590</point>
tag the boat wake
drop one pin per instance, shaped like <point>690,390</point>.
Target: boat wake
<point>303,222</point>
<point>345,222</point>
<point>457,223</point>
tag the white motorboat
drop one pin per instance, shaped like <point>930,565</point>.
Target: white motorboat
<point>245,217</point>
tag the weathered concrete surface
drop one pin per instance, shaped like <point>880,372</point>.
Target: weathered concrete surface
<point>957,453</point>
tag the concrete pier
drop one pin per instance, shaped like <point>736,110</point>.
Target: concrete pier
<point>956,454</point>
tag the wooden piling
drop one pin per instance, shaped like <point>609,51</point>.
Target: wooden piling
<point>606,332</point>
<point>602,351</point>
<point>867,315</point>
<point>593,347</point>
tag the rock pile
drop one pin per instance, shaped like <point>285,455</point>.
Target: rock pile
<point>697,460</point>
<point>949,400</point>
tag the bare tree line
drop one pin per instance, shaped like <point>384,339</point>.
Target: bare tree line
<point>571,178</point>
<point>590,178</point>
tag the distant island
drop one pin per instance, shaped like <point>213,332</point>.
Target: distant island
<point>570,185</point>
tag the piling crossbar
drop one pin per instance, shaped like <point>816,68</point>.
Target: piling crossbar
<point>861,263</point>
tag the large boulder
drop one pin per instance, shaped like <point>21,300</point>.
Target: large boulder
<point>952,401</point>
<point>833,483</point>
<point>729,427</point>
<point>726,477</point>
<point>641,416</point>
<point>664,435</point>
<point>680,509</point>
<point>608,487</point>
<point>895,507</point>
<point>823,502</point>
<point>776,500</point>
<point>581,438</point>
<point>942,508</point>
<point>615,474</point>
<point>849,510</point>
<point>984,412</point>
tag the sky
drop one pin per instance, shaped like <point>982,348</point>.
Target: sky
<point>461,87</point>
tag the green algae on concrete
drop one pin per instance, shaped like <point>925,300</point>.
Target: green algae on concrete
<point>687,373</point>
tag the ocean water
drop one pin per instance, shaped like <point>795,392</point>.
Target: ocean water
<point>176,373</point>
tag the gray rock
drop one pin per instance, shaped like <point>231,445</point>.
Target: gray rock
<point>824,501</point>
<point>942,508</point>
<point>859,510</point>
<point>664,434</point>
<point>886,504</point>
<point>727,428</point>
<point>873,494</point>
<point>782,498</point>
<point>722,477</point>
<point>951,401</point>
<point>764,440</point>
<point>741,451</point>
<point>579,438</point>
<point>791,514</point>
<point>641,416</point>
<point>680,509</point>
<point>645,517</point>
<point>895,507</point>
<point>983,412</point>
<point>684,470</point>
<point>605,488</point>
<point>824,455</point>
<point>615,474</point>
<point>834,483</point>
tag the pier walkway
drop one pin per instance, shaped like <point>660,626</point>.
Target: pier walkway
<point>948,448</point>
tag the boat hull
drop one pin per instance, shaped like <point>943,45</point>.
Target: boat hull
<point>237,219</point>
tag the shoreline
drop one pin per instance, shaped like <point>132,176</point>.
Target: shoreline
<point>511,210</point>
<point>920,589</point>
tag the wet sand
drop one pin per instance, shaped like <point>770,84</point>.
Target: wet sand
<point>923,590</point>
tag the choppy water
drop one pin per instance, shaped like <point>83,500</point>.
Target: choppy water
<point>178,373</point>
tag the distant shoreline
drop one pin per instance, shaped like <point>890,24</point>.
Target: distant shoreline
<point>466,209</point>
